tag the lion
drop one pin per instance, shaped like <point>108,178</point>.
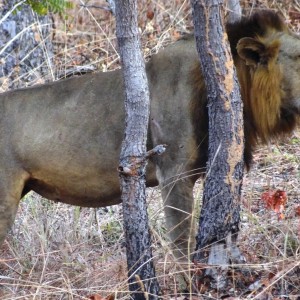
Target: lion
<point>62,139</point>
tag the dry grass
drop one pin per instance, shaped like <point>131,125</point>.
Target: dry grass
<point>56,251</point>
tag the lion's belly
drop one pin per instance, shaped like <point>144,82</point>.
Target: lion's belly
<point>87,189</point>
<point>82,192</point>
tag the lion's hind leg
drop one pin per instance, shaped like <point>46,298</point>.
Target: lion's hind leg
<point>177,194</point>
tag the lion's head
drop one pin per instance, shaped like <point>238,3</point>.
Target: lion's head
<point>267,57</point>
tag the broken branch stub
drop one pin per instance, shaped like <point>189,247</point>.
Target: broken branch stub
<point>131,165</point>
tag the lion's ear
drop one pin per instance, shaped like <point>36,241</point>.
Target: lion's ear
<point>255,52</point>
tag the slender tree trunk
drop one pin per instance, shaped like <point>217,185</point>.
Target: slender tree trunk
<point>25,45</point>
<point>220,213</point>
<point>234,11</point>
<point>133,158</point>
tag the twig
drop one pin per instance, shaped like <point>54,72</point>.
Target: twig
<point>112,6</point>
<point>131,168</point>
<point>11,10</point>
<point>108,8</point>
<point>15,37</point>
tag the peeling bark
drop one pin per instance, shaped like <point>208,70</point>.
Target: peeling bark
<point>220,213</point>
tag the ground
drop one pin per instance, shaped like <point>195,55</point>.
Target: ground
<point>56,251</point>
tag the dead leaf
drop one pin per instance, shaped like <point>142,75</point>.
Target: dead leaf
<point>99,297</point>
<point>275,200</point>
<point>150,14</point>
<point>96,297</point>
<point>176,35</point>
<point>37,37</point>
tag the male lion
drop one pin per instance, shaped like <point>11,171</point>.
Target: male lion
<point>63,139</point>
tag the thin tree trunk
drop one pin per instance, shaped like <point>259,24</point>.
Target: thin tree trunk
<point>25,46</point>
<point>133,158</point>
<point>234,11</point>
<point>220,213</point>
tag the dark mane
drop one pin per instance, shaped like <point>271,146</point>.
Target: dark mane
<point>258,24</point>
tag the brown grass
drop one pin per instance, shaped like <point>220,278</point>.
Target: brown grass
<point>56,251</point>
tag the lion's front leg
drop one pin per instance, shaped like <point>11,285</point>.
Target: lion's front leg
<point>8,209</point>
<point>11,187</point>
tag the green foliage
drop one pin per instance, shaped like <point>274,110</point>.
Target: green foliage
<point>42,7</point>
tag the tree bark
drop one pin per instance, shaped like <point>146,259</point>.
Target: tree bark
<point>220,213</point>
<point>25,45</point>
<point>234,11</point>
<point>133,157</point>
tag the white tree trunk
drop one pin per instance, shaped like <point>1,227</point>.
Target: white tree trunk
<point>25,46</point>
<point>234,11</point>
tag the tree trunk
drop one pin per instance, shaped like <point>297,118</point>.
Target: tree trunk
<point>220,213</point>
<point>25,45</point>
<point>234,11</point>
<point>133,158</point>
